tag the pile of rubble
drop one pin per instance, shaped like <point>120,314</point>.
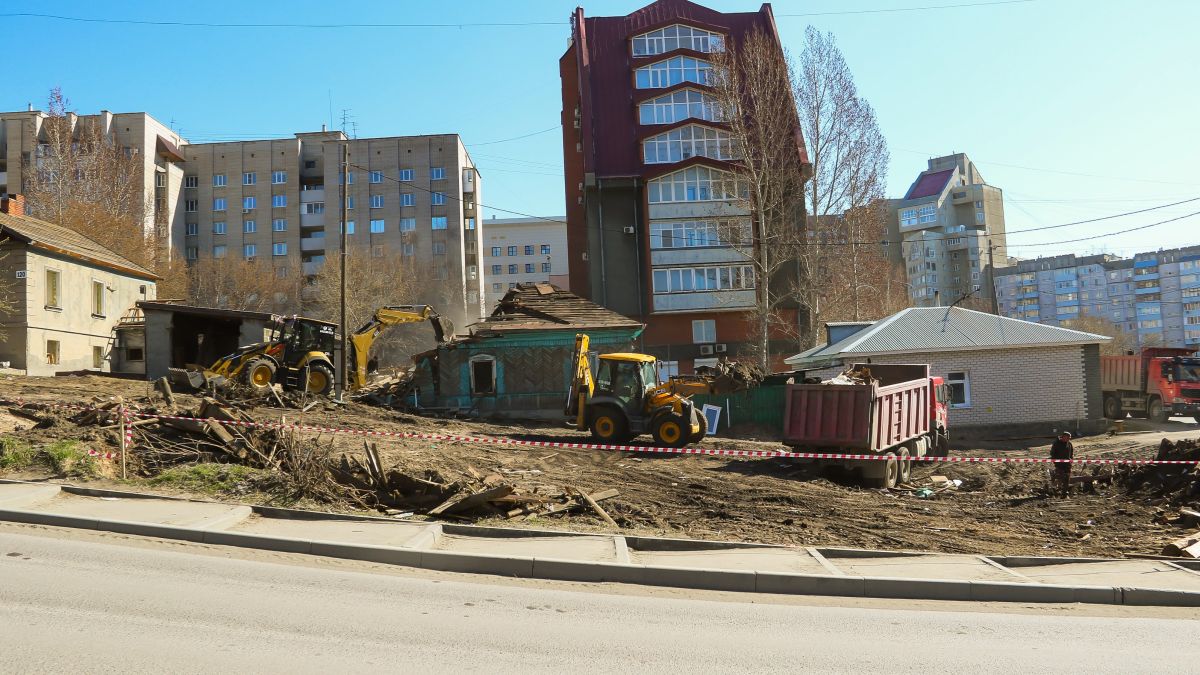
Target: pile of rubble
<point>732,376</point>
<point>1175,488</point>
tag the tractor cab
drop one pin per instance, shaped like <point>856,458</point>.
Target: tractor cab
<point>301,337</point>
<point>627,378</point>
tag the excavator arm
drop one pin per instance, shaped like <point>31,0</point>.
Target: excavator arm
<point>364,338</point>
<point>582,384</point>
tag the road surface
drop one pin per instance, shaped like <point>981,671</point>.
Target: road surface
<point>72,601</point>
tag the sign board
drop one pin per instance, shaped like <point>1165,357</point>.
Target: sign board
<point>21,274</point>
<point>712,415</point>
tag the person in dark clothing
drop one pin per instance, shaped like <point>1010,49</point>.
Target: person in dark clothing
<point>1062,449</point>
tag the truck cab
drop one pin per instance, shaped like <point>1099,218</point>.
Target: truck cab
<point>1177,380</point>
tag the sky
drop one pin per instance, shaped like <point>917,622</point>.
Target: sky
<point>1077,109</point>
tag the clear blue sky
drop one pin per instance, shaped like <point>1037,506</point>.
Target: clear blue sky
<point>1037,93</point>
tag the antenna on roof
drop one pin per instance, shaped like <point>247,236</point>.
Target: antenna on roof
<point>946,316</point>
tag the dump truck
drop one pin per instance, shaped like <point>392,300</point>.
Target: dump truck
<point>896,411</point>
<point>1157,383</point>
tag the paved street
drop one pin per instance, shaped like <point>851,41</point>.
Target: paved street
<point>99,603</point>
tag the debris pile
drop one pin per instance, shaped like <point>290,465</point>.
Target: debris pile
<point>397,390</point>
<point>860,375</point>
<point>1171,486</point>
<point>731,376</point>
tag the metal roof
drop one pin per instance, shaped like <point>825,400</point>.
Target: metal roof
<point>935,329</point>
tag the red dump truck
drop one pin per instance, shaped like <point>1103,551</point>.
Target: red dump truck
<point>902,413</point>
<point>1158,383</point>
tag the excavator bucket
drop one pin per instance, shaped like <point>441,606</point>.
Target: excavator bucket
<point>443,328</point>
<point>194,380</point>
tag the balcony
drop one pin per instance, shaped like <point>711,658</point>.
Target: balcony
<point>311,268</point>
<point>704,300</point>
<point>312,220</point>
<point>312,195</point>
<point>312,244</point>
<point>4,180</point>
<point>696,256</point>
<point>1145,291</point>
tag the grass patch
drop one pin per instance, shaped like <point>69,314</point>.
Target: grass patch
<point>15,453</point>
<point>67,458</point>
<point>214,478</point>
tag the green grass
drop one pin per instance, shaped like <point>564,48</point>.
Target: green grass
<point>15,453</point>
<point>67,458</point>
<point>213,478</point>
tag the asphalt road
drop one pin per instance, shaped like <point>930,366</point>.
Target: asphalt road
<point>106,603</point>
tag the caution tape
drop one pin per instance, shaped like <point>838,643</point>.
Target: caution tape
<point>721,452</point>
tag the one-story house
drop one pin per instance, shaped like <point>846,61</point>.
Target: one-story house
<point>516,363</point>
<point>64,294</point>
<point>174,335</point>
<point>1002,372</point>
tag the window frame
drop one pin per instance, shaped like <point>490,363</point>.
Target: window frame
<point>965,381</point>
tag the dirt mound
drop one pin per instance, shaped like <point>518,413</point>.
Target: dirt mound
<point>1177,483</point>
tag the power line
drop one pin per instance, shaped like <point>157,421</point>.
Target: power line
<point>1096,220</point>
<point>890,10</point>
<point>1111,234</point>
<point>514,138</point>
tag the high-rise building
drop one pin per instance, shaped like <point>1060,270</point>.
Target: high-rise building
<point>524,251</point>
<point>1154,296</point>
<point>948,233</point>
<point>649,184</point>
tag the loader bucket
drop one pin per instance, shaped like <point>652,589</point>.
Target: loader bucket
<point>443,328</point>
<point>184,379</point>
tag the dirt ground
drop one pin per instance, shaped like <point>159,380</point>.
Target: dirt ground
<point>1000,508</point>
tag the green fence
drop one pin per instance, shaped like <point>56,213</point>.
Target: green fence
<point>759,408</point>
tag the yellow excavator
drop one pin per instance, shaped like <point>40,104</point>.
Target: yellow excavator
<point>299,352</point>
<point>625,399</point>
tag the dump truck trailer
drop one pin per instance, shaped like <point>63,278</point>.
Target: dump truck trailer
<point>900,412</point>
<point>1158,383</point>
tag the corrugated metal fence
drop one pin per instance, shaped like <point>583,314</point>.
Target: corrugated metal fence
<point>758,408</point>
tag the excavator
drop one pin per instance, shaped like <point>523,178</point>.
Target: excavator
<point>299,352</point>
<point>625,399</point>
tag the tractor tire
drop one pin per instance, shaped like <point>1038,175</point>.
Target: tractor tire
<point>903,466</point>
<point>259,374</point>
<point>1112,408</point>
<point>671,431</point>
<point>609,426</point>
<point>881,473</point>
<point>319,379</point>
<point>1155,411</point>
<point>699,435</point>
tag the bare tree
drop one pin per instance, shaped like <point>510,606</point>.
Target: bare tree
<point>253,285</point>
<point>753,87</point>
<point>1122,341</point>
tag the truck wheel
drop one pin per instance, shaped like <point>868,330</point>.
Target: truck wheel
<point>1155,411</point>
<point>319,379</point>
<point>671,431</point>
<point>260,373</point>
<point>609,426</point>
<point>903,466</point>
<point>1112,408</point>
<point>697,418</point>
<point>881,473</point>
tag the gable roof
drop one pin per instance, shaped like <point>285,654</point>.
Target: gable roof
<point>929,183</point>
<point>935,329</point>
<point>64,241</point>
<point>548,307</point>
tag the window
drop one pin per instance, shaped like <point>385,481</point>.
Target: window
<point>960,389</point>
<point>437,198</point>
<point>408,224</point>
<point>192,229</point>
<point>704,331</point>
<point>249,202</point>
<point>528,268</point>
<point>219,204</point>
<point>249,251</point>
<point>692,233</point>
<point>545,249</point>
<point>469,224</point>
<point>690,141</point>
<point>512,250</point>
<point>693,279</point>
<point>249,178</point>
<point>496,251</point>
<point>218,180</point>
<point>438,222</point>
<point>695,184</point>
<point>193,205</point>
<point>249,226</point>
<point>279,248</point>
<point>496,269</point>
<point>377,201</point>
<point>350,227</point>
<point>52,352</point>
<point>927,214</point>
<point>496,287</point>
<point>667,370</point>
<point>219,251</point>
<point>376,177</point>
<point>378,226</point>
<point>278,177</point>
<point>672,72</point>
<point>219,227</point>
<point>350,202</point>
<point>407,199</point>
<point>483,374</point>
<point>677,37</point>
<point>191,252</point>
<point>278,201</point>
<point>439,248</point>
<point>437,173</point>
<point>529,249</point>
<point>409,249</point>
<point>678,106</point>
<point>406,174</point>
<point>135,354</point>
<point>377,251</point>
<point>279,224</point>
<point>512,269</point>
<point>191,181</point>
<point>314,208</point>
<point>546,267</point>
<point>97,298</point>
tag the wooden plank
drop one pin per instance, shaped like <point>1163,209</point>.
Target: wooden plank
<point>596,507</point>
<point>1188,546</point>
<point>459,503</point>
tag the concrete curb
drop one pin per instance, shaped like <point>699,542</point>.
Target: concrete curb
<point>618,572</point>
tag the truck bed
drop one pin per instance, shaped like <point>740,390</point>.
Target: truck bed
<point>862,417</point>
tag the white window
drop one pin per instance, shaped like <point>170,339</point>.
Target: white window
<point>667,370</point>
<point>219,204</point>
<point>406,174</point>
<point>407,199</point>
<point>960,389</point>
<point>695,184</point>
<point>927,214</point>
<point>249,202</point>
<point>279,248</point>
<point>695,279</point>
<point>249,178</point>
<point>691,233</point>
<point>350,202</point>
<point>279,224</point>
<point>249,226</point>
<point>219,251</point>
<point>219,227</point>
<point>193,229</point>
<point>53,356</point>
<point>437,198</point>
<point>438,222</point>
<point>249,251</point>
<point>469,224</point>
<point>437,173</point>
<point>376,176</point>
<point>218,180</point>
<point>350,227</point>
<point>349,178</point>
<point>314,208</point>
<point>677,37</point>
<point>672,72</point>
<point>377,226</point>
<point>377,251</point>
<point>377,201</point>
<point>408,224</point>
<point>160,180</point>
<point>191,181</point>
<point>278,201</point>
<point>704,331</point>
<point>409,249</point>
<point>191,252</point>
<point>690,141</point>
<point>191,205</point>
<point>678,106</point>
<point>97,298</point>
<point>97,357</point>
<point>278,177</point>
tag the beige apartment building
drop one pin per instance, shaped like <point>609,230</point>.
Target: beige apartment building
<point>523,251</point>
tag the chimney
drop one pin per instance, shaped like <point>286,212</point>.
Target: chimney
<point>322,128</point>
<point>13,205</point>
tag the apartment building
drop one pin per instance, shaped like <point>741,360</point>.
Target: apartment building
<point>948,232</point>
<point>649,186</point>
<point>524,251</point>
<point>1154,295</point>
<point>279,201</point>
<point>23,143</point>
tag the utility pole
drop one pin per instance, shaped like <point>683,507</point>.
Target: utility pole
<point>345,191</point>
<point>991,276</point>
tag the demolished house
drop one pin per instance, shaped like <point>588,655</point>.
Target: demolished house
<point>516,363</point>
<point>176,335</point>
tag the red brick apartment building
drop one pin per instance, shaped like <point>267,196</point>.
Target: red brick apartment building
<point>647,159</point>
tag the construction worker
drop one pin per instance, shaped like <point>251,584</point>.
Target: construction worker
<point>1062,450</point>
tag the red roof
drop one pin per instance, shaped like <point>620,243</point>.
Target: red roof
<point>929,184</point>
